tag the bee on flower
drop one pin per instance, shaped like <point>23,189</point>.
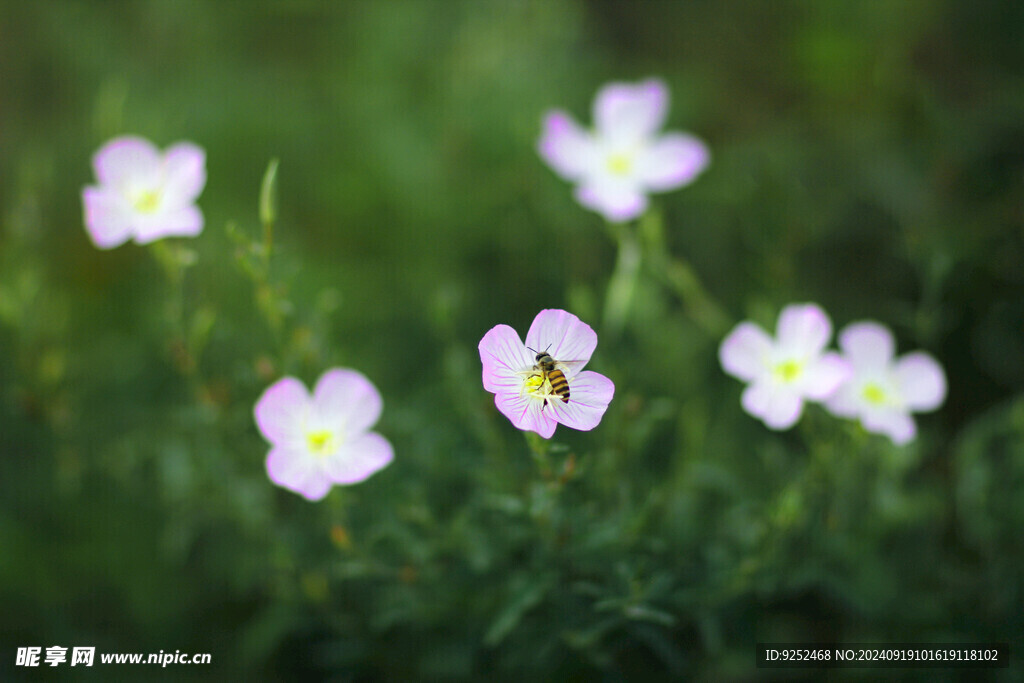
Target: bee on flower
<point>533,386</point>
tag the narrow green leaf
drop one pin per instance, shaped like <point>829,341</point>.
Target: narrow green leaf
<point>527,592</point>
<point>268,194</point>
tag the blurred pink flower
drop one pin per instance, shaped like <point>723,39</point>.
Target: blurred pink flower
<point>324,439</point>
<point>624,157</point>
<point>142,194</point>
<point>883,390</point>
<point>521,390</point>
<point>784,372</point>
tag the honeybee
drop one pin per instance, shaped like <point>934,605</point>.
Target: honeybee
<point>550,372</point>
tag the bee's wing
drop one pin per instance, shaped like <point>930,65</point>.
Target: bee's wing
<point>570,365</point>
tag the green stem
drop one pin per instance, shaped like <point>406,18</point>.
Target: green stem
<point>173,259</point>
<point>622,285</point>
<point>169,260</point>
<point>171,263</point>
<point>539,451</point>
<point>266,296</point>
<point>679,276</point>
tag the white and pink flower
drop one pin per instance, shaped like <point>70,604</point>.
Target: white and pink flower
<point>325,439</point>
<point>624,158</point>
<point>785,371</point>
<point>883,390</point>
<point>143,194</point>
<point>522,392</point>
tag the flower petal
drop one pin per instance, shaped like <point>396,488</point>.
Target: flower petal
<point>778,407</point>
<point>845,402</point>
<point>671,162</point>
<point>803,329</point>
<point>298,471</point>
<point>745,352</point>
<point>525,412</point>
<point>627,111</point>
<point>503,355</point>
<point>566,147</point>
<point>898,426</point>
<point>868,345</point>
<point>618,202</point>
<point>281,413</point>
<point>921,381</point>
<point>184,173</point>
<point>345,401</point>
<point>107,219</point>
<point>591,393</point>
<point>186,221</point>
<point>823,378</point>
<point>564,336</point>
<point>126,159</point>
<point>358,458</point>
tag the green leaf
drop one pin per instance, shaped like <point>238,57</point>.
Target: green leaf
<point>647,613</point>
<point>268,194</point>
<point>527,592</point>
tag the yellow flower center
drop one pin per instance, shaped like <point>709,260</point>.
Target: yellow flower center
<point>619,164</point>
<point>321,442</point>
<point>538,386</point>
<point>146,201</point>
<point>788,371</point>
<point>874,394</point>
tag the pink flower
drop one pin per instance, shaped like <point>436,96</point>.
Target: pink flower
<point>524,393</point>
<point>623,158</point>
<point>884,390</point>
<point>142,194</point>
<point>784,372</point>
<point>324,439</point>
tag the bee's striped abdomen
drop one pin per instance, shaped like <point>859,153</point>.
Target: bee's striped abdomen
<point>555,377</point>
<point>559,384</point>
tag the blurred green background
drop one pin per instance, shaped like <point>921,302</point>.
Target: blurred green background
<point>865,156</point>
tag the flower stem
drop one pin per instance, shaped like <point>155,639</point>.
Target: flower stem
<point>253,255</point>
<point>173,259</point>
<point>168,259</point>
<point>622,284</point>
<point>539,447</point>
<point>679,276</point>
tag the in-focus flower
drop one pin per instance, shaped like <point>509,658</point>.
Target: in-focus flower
<point>142,194</point>
<point>884,390</point>
<point>528,395</point>
<point>324,439</point>
<point>784,372</point>
<point>615,165</point>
